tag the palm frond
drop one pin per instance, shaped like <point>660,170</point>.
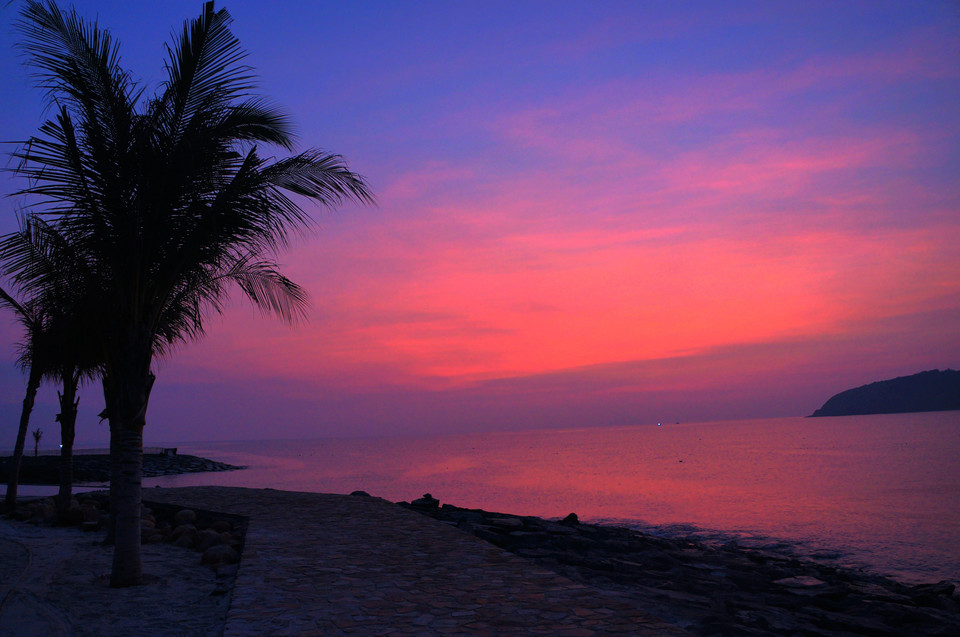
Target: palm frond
<point>156,209</point>
<point>204,70</point>
<point>76,61</point>
<point>268,289</point>
<point>320,176</point>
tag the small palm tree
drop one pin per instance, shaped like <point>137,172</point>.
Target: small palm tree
<point>59,340</point>
<point>168,202</point>
<point>37,435</point>
<point>34,353</point>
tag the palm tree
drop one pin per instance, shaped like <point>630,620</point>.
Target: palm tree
<point>168,201</point>
<point>54,320</point>
<point>33,352</point>
<point>74,362</point>
<point>37,435</point>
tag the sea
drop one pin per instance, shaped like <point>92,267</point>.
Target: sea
<point>879,492</point>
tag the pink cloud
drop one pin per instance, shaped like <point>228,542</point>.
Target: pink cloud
<point>414,184</point>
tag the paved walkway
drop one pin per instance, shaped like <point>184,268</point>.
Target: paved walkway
<point>313,564</point>
<point>317,564</point>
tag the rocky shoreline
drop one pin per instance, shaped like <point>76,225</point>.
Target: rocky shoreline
<point>95,468</point>
<point>716,590</point>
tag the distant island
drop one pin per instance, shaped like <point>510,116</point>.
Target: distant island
<point>932,390</point>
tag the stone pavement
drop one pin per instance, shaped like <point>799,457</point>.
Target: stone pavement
<point>318,564</point>
<point>313,564</point>
<point>54,582</point>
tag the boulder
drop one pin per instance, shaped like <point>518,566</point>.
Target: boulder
<point>225,538</point>
<point>73,515</point>
<point>207,538</point>
<point>184,516</point>
<point>182,530</point>
<point>570,520</point>
<point>221,526</point>
<point>89,514</point>
<point>506,523</point>
<point>220,554</point>
<point>185,535</point>
<point>426,502</point>
<point>46,513</point>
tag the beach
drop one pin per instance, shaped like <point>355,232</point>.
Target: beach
<point>354,564</point>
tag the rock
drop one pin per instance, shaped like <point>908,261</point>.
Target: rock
<point>221,526</point>
<point>362,494</point>
<point>230,540</point>
<point>21,514</point>
<point>185,535</point>
<point>718,589</point>
<point>944,588</point>
<point>220,554</point>
<point>507,523</point>
<point>207,538</point>
<point>89,514</point>
<point>932,595</point>
<point>570,520</point>
<point>800,581</point>
<point>73,515</point>
<point>185,516</point>
<point>182,530</point>
<point>426,502</point>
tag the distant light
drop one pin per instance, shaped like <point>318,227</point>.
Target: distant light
<point>61,446</point>
<point>658,424</point>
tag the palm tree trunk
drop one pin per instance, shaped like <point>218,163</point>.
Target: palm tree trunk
<point>127,398</point>
<point>125,502</point>
<point>68,429</point>
<point>33,384</point>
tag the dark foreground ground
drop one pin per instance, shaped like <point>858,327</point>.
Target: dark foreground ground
<point>717,590</point>
<point>93,468</point>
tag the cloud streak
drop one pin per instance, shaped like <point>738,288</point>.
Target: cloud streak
<point>598,216</point>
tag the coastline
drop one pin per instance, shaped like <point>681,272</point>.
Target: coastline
<point>698,589</point>
<point>44,470</point>
<point>710,590</point>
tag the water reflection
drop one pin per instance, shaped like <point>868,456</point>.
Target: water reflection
<point>885,487</point>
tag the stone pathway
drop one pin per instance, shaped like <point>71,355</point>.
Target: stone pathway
<point>313,564</point>
<point>54,582</point>
<point>317,564</point>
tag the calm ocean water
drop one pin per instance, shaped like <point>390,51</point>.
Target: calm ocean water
<point>880,492</point>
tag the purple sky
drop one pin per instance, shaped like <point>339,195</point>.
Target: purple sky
<point>588,214</point>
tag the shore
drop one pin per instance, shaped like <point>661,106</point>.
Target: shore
<point>716,590</point>
<point>95,468</point>
<point>303,548</point>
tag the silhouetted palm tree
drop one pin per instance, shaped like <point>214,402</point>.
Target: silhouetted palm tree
<point>56,348</point>
<point>169,203</point>
<point>33,351</point>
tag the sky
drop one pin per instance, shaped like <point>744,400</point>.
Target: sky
<point>588,214</point>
